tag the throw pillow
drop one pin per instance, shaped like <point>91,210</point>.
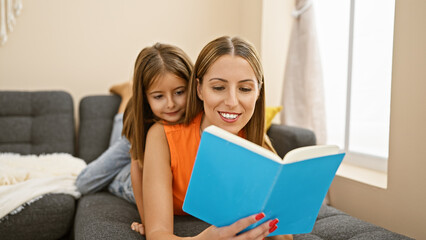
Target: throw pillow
<point>270,114</point>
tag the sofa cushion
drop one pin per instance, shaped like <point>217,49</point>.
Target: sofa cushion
<point>286,138</point>
<point>36,122</point>
<point>50,217</point>
<point>96,119</point>
<point>333,224</point>
<point>103,215</point>
<point>187,226</point>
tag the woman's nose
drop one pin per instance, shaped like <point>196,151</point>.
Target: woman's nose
<point>231,99</point>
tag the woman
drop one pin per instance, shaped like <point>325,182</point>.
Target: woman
<point>226,90</point>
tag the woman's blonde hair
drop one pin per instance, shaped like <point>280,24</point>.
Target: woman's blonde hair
<point>151,63</point>
<point>235,46</point>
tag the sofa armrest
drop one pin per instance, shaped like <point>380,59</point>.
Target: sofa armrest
<point>285,138</point>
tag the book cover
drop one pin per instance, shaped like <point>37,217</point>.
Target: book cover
<point>233,178</point>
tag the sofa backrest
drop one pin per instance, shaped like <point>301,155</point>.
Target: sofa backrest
<point>36,122</point>
<point>96,119</point>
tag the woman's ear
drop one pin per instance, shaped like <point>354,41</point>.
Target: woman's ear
<point>200,95</point>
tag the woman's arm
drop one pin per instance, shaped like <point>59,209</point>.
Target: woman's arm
<point>158,198</point>
<point>136,177</point>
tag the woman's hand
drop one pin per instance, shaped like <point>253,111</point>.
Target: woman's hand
<point>138,227</point>
<point>231,231</point>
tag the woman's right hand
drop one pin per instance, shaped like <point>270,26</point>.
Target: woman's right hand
<point>231,231</point>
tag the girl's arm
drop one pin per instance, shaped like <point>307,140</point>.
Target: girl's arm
<point>136,177</point>
<point>157,186</point>
<point>158,198</point>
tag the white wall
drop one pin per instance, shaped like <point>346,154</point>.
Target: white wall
<point>84,47</point>
<point>276,27</point>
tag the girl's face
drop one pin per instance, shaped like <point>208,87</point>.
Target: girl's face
<point>229,91</point>
<point>167,97</point>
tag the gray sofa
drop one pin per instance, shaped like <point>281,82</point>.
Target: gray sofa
<point>35,123</point>
<point>103,215</point>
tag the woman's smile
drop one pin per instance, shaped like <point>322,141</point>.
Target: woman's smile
<point>229,116</point>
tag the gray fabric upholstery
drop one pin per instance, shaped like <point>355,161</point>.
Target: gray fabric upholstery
<point>96,118</point>
<point>187,226</point>
<point>285,138</point>
<point>105,216</point>
<point>35,123</point>
<point>333,224</point>
<point>101,215</point>
<point>50,217</point>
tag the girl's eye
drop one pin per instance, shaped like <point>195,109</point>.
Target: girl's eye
<point>180,92</point>
<point>157,96</point>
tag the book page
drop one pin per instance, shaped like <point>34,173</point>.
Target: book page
<point>309,152</point>
<point>243,143</point>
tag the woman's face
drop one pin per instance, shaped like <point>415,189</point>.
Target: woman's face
<point>167,97</point>
<point>229,91</point>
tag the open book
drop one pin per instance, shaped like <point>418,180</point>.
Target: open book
<point>233,178</point>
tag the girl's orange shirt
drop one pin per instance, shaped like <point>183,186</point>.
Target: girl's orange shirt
<point>183,144</point>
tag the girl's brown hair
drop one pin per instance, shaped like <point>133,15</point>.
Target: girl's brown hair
<point>209,54</point>
<point>151,63</point>
<point>128,126</point>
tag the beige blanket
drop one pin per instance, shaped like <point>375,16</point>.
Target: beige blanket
<point>25,178</point>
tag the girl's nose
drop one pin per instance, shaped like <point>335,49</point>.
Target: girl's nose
<point>170,102</point>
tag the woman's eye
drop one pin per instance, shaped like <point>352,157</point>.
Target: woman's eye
<point>157,96</point>
<point>245,89</point>
<point>218,88</point>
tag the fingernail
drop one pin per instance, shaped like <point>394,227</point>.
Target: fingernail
<point>273,222</point>
<point>133,228</point>
<point>259,216</point>
<point>273,228</point>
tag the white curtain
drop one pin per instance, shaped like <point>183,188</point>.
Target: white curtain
<point>303,91</point>
<point>9,10</point>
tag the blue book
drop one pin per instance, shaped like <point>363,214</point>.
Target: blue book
<point>233,178</point>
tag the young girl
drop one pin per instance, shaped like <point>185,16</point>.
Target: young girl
<point>160,78</point>
<point>226,90</point>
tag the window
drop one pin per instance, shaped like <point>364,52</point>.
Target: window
<point>355,42</point>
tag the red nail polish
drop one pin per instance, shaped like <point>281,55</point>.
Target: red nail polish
<point>273,228</point>
<point>273,222</point>
<point>259,216</point>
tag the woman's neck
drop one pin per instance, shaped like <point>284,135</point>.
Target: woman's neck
<point>203,123</point>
